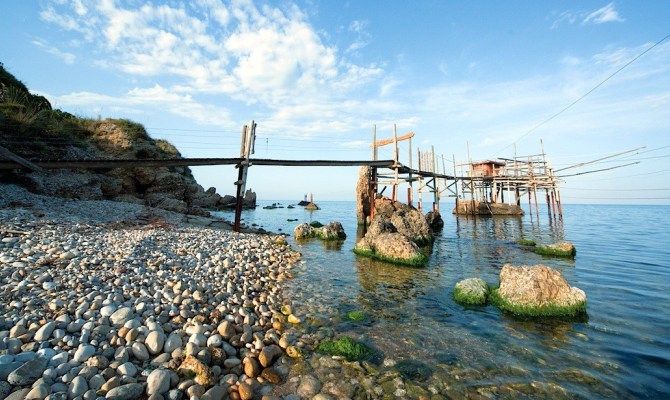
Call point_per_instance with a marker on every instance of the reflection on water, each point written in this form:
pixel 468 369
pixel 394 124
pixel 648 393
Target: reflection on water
pixel 621 350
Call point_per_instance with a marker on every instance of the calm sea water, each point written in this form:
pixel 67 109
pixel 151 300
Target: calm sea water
pixel 622 350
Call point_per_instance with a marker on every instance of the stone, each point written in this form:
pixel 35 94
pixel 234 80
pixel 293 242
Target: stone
pixel 472 291
pixel 309 386
pixel 434 220
pixel 364 195
pixel 121 316
pixel 158 381
pixel 216 392
pixel 560 249
pixel 83 353
pixel 127 369
pixel 77 387
pixel 251 367
pixel 331 231
pixel 140 351
pixel 226 329
pixel 172 343
pixel 538 291
pixel 391 247
pixel 202 374
pixel 268 354
pixel 154 342
pixel 271 375
pixel 245 391
pixel 128 391
pixel 303 231
pixel 27 373
pixel 44 333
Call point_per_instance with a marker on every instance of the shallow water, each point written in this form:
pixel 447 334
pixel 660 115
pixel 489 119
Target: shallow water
pixel 623 264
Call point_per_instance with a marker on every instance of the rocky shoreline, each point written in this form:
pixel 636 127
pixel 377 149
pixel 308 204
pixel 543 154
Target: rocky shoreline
pixel 100 301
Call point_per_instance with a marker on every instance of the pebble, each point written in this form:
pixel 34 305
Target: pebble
pixel 158 381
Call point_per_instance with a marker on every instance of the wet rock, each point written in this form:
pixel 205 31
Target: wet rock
pixel 472 291
pixel 537 291
pixel 308 387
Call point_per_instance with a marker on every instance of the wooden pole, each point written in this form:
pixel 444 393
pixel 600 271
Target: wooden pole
pixel 436 193
pixel 453 157
pixel 373 173
pixel 409 190
pixel 420 165
pixel 246 149
pixel 395 159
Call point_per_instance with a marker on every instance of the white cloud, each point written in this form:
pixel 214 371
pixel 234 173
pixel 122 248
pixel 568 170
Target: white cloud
pixel 156 96
pixel 265 56
pixel 67 58
pixel 602 15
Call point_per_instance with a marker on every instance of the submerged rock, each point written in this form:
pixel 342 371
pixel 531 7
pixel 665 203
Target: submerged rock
pixel 560 249
pixel 395 234
pixel 391 247
pixel 331 231
pixel 434 220
pixel 472 291
pixel 537 291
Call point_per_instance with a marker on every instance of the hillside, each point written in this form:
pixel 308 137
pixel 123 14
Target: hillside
pixel 33 129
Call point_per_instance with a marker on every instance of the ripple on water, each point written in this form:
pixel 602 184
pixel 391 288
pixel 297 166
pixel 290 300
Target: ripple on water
pixel 622 350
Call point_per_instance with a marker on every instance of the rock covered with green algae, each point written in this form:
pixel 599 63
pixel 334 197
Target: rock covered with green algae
pixel 560 249
pixel 330 231
pixel 471 291
pixel 391 247
pixel 345 347
pixel 537 291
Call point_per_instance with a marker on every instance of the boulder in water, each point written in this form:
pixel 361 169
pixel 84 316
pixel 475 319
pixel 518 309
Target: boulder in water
pixel 434 220
pixel 331 231
pixel 560 249
pixel 312 207
pixel 471 291
pixel 394 247
pixel 537 291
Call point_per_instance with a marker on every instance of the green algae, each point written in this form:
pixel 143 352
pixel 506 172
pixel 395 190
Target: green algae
pixel 545 311
pixel 356 316
pixel 345 347
pixel 545 250
pixel 419 260
pixel 526 242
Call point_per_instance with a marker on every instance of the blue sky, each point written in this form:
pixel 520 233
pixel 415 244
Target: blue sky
pixel 317 75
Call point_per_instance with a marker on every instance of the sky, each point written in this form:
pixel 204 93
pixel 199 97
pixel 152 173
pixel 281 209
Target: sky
pixel 317 76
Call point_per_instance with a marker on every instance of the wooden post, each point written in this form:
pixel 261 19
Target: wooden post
pixel 246 149
pixel 546 192
pixel 436 192
pixel 396 163
pixel 373 173
pixel 453 157
pixel 537 210
pixel 409 190
pixel 420 165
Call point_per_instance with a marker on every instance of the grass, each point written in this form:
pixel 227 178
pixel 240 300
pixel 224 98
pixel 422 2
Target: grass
pixel 468 299
pixel 550 251
pixel 419 260
pixel 547 311
pixel 356 316
pixel 526 242
pixel 345 347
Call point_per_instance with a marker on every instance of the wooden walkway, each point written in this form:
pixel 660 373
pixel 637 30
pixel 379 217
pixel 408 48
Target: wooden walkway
pixel 191 162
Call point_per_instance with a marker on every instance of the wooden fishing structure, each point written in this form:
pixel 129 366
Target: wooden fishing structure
pixel 489 182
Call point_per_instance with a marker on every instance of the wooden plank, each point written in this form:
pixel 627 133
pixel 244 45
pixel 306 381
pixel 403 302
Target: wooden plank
pixel 192 162
pixel 384 142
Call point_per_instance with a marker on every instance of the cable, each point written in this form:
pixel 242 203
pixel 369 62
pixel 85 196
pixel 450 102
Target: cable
pixel 585 94
pixel 599 159
pixel 598 170
pixel 615 190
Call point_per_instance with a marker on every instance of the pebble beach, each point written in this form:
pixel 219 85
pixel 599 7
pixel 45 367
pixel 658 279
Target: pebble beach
pixel 114 300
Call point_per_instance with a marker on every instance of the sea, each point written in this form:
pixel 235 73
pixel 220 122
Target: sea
pixel 620 349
